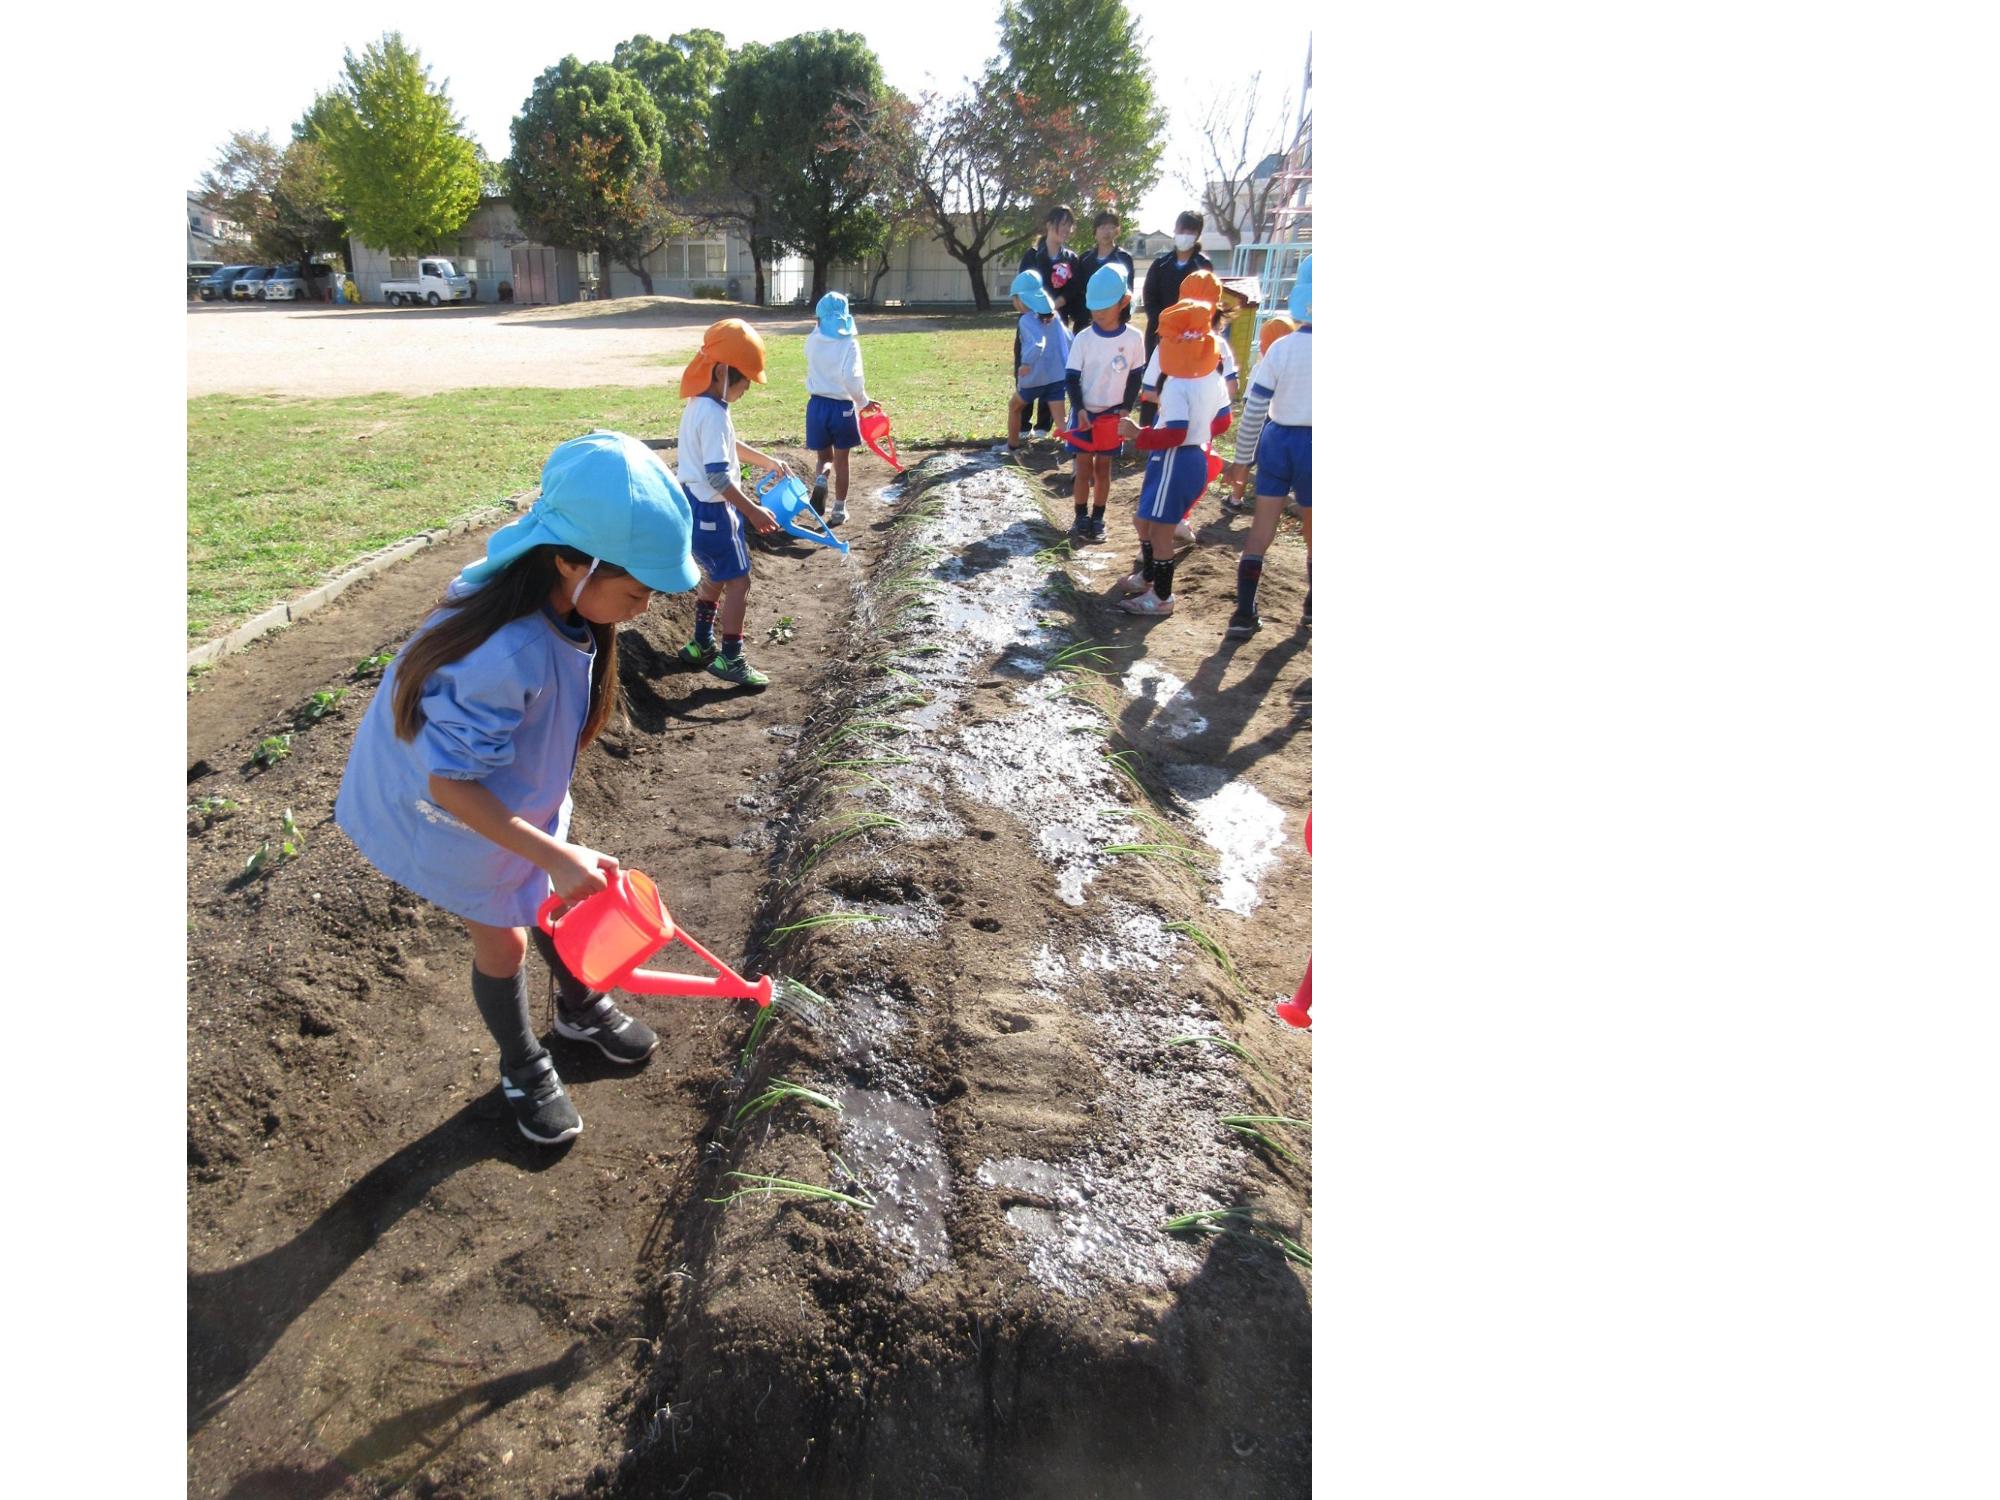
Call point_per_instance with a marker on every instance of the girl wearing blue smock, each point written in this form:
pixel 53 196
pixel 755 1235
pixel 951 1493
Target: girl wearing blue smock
pixel 457 787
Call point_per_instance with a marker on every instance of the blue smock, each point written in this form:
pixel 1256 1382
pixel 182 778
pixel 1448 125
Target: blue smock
pixel 508 715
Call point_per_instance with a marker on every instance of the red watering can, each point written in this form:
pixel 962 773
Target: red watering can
pixel 1101 436
pixel 874 425
pixel 1298 1009
pixel 603 938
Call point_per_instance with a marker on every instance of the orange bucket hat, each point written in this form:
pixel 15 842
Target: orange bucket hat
pixel 1202 286
pixel 1274 329
pixel 731 342
pixel 1187 346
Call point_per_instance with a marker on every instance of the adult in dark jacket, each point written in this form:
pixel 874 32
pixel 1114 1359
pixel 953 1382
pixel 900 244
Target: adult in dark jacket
pixel 1104 253
pixel 1057 264
pixel 1163 283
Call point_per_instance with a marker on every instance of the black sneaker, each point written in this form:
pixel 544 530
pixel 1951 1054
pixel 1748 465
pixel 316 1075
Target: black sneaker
pixel 540 1106
pixel 1096 524
pixel 608 1029
pixel 1243 624
pixel 1080 528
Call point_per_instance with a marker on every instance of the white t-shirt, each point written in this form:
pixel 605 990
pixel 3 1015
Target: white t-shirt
pixel 1287 373
pixel 1151 379
pixel 707 460
pixel 833 369
pixel 1104 360
pixel 1196 402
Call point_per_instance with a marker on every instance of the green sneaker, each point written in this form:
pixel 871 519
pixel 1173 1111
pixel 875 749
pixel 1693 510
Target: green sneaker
pixel 692 655
pixel 738 670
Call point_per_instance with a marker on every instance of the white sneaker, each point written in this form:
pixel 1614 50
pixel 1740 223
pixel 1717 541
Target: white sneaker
pixel 838 515
pixel 1148 603
pixel 1184 532
pixel 1136 583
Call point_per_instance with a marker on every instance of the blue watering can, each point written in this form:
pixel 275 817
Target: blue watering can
pixel 790 502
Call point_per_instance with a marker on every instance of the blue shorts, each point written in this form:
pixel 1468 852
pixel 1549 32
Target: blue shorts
pixel 1174 481
pixel 1055 390
pixel 1285 463
pixel 717 541
pixel 831 423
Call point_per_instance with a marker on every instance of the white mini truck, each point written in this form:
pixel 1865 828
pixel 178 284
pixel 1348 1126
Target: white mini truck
pixel 437 281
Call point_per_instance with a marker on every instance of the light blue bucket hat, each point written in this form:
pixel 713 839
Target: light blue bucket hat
pixel 835 321
pixel 608 495
pixel 1302 293
pixel 1108 287
pixel 1028 287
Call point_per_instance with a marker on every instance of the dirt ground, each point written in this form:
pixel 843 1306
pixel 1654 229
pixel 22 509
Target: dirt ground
pixel 301 349
pixel 389 1290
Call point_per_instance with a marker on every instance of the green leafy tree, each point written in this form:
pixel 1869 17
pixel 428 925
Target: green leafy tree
pixel 285 200
pixel 746 171
pixel 682 75
pixel 1086 57
pixel 586 165
pixel 408 176
pixel 819 197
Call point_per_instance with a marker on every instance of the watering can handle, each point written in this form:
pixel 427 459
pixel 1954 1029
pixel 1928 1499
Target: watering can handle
pixel 546 910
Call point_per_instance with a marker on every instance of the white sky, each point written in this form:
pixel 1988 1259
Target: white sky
pixel 262 76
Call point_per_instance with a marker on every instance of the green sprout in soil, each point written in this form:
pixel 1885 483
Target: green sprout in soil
pixel 1209 945
pixel 783 631
pixel 1235 1049
pixel 777 1092
pixel 1239 1219
pixel 762 1185
pixel 1125 765
pixel 826 919
pixel 856 727
pixel 859 824
pixel 1252 1133
pixel 765 1015
pixel 211 810
pixel 321 704
pixel 270 751
pixel 369 666
pixel 1169 853
pixel 1084 656
pixel 865 760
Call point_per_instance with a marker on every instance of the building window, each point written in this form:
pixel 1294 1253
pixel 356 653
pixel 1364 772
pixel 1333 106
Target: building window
pixel 693 260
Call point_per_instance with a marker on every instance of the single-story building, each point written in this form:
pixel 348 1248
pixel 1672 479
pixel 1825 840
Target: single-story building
pixel 492 249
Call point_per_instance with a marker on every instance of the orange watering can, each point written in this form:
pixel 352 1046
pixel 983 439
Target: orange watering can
pixel 1298 1009
pixel 874 425
pixel 604 937
pixel 1101 436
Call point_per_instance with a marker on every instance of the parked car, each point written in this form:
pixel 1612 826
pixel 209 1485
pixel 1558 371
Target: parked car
pixel 198 272
pixel 294 283
pixel 250 284
pixel 437 281
pixel 217 282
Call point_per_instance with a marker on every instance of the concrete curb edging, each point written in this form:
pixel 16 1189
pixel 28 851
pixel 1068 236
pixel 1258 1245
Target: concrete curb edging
pixel 278 616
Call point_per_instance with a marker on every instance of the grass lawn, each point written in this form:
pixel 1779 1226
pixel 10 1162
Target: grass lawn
pixel 283 491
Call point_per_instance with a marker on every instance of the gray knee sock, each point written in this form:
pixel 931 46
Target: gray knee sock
pixel 503 1006
pixel 571 992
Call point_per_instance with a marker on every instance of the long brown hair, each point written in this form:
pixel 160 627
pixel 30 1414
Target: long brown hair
pixel 521 588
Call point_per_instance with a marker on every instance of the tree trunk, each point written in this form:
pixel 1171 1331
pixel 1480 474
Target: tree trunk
pixel 975 267
pixel 881 270
pixel 605 261
pixel 819 277
pixel 638 269
pixel 757 264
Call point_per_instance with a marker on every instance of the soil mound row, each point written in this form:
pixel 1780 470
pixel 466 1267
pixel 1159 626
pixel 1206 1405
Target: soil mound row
pixel 1019 1053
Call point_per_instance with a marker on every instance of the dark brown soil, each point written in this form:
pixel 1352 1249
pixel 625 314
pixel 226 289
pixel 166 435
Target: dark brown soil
pixel 390 1289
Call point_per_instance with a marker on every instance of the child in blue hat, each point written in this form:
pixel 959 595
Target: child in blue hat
pixel 457 787
pixel 836 395
pixel 1044 356
pixel 1277 435
pixel 1106 359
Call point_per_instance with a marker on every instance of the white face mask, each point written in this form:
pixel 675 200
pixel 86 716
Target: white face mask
pixel 1184 243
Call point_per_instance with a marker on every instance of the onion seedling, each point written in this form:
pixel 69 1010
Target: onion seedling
pixel 827 919
pixel 1235 1049
pixel 777 1092
pixel 765 1186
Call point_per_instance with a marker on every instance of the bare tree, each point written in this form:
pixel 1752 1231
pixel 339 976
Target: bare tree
pixel 1238 132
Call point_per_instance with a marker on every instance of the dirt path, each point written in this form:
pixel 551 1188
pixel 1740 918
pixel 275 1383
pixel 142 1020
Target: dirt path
pixel 390 1290
pixel 252 349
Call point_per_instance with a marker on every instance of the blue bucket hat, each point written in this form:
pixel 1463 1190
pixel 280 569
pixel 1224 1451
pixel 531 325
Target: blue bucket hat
pixel 835 321
pixel 1302 293
pixel 1108 287
pixel 608 495
pixel 1028 287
